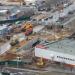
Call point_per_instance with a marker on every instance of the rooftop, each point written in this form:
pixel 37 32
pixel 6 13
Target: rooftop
pixel 65 46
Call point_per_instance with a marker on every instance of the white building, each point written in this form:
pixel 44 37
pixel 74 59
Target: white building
pixel 60 51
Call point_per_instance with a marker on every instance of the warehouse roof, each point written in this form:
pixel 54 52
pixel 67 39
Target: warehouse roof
pixel 65 46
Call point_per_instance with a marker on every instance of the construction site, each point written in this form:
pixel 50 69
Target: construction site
pixel 37 37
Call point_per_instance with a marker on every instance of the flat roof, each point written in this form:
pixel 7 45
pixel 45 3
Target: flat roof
pixel 63 46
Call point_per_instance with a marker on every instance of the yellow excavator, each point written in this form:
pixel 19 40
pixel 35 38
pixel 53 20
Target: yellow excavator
pixel 26 26
pixel 40 62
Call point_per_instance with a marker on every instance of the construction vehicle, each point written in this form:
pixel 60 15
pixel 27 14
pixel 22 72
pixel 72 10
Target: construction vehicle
pixel 14 41
pixel 40 62
pixel 18 39
pixel 27 28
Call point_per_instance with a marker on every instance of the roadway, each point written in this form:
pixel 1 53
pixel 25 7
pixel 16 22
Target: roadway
pixel 70 20
pixel 57 14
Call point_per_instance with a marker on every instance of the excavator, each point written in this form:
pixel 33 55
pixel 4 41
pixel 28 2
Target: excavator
pixel 40 62
pixel 27 28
